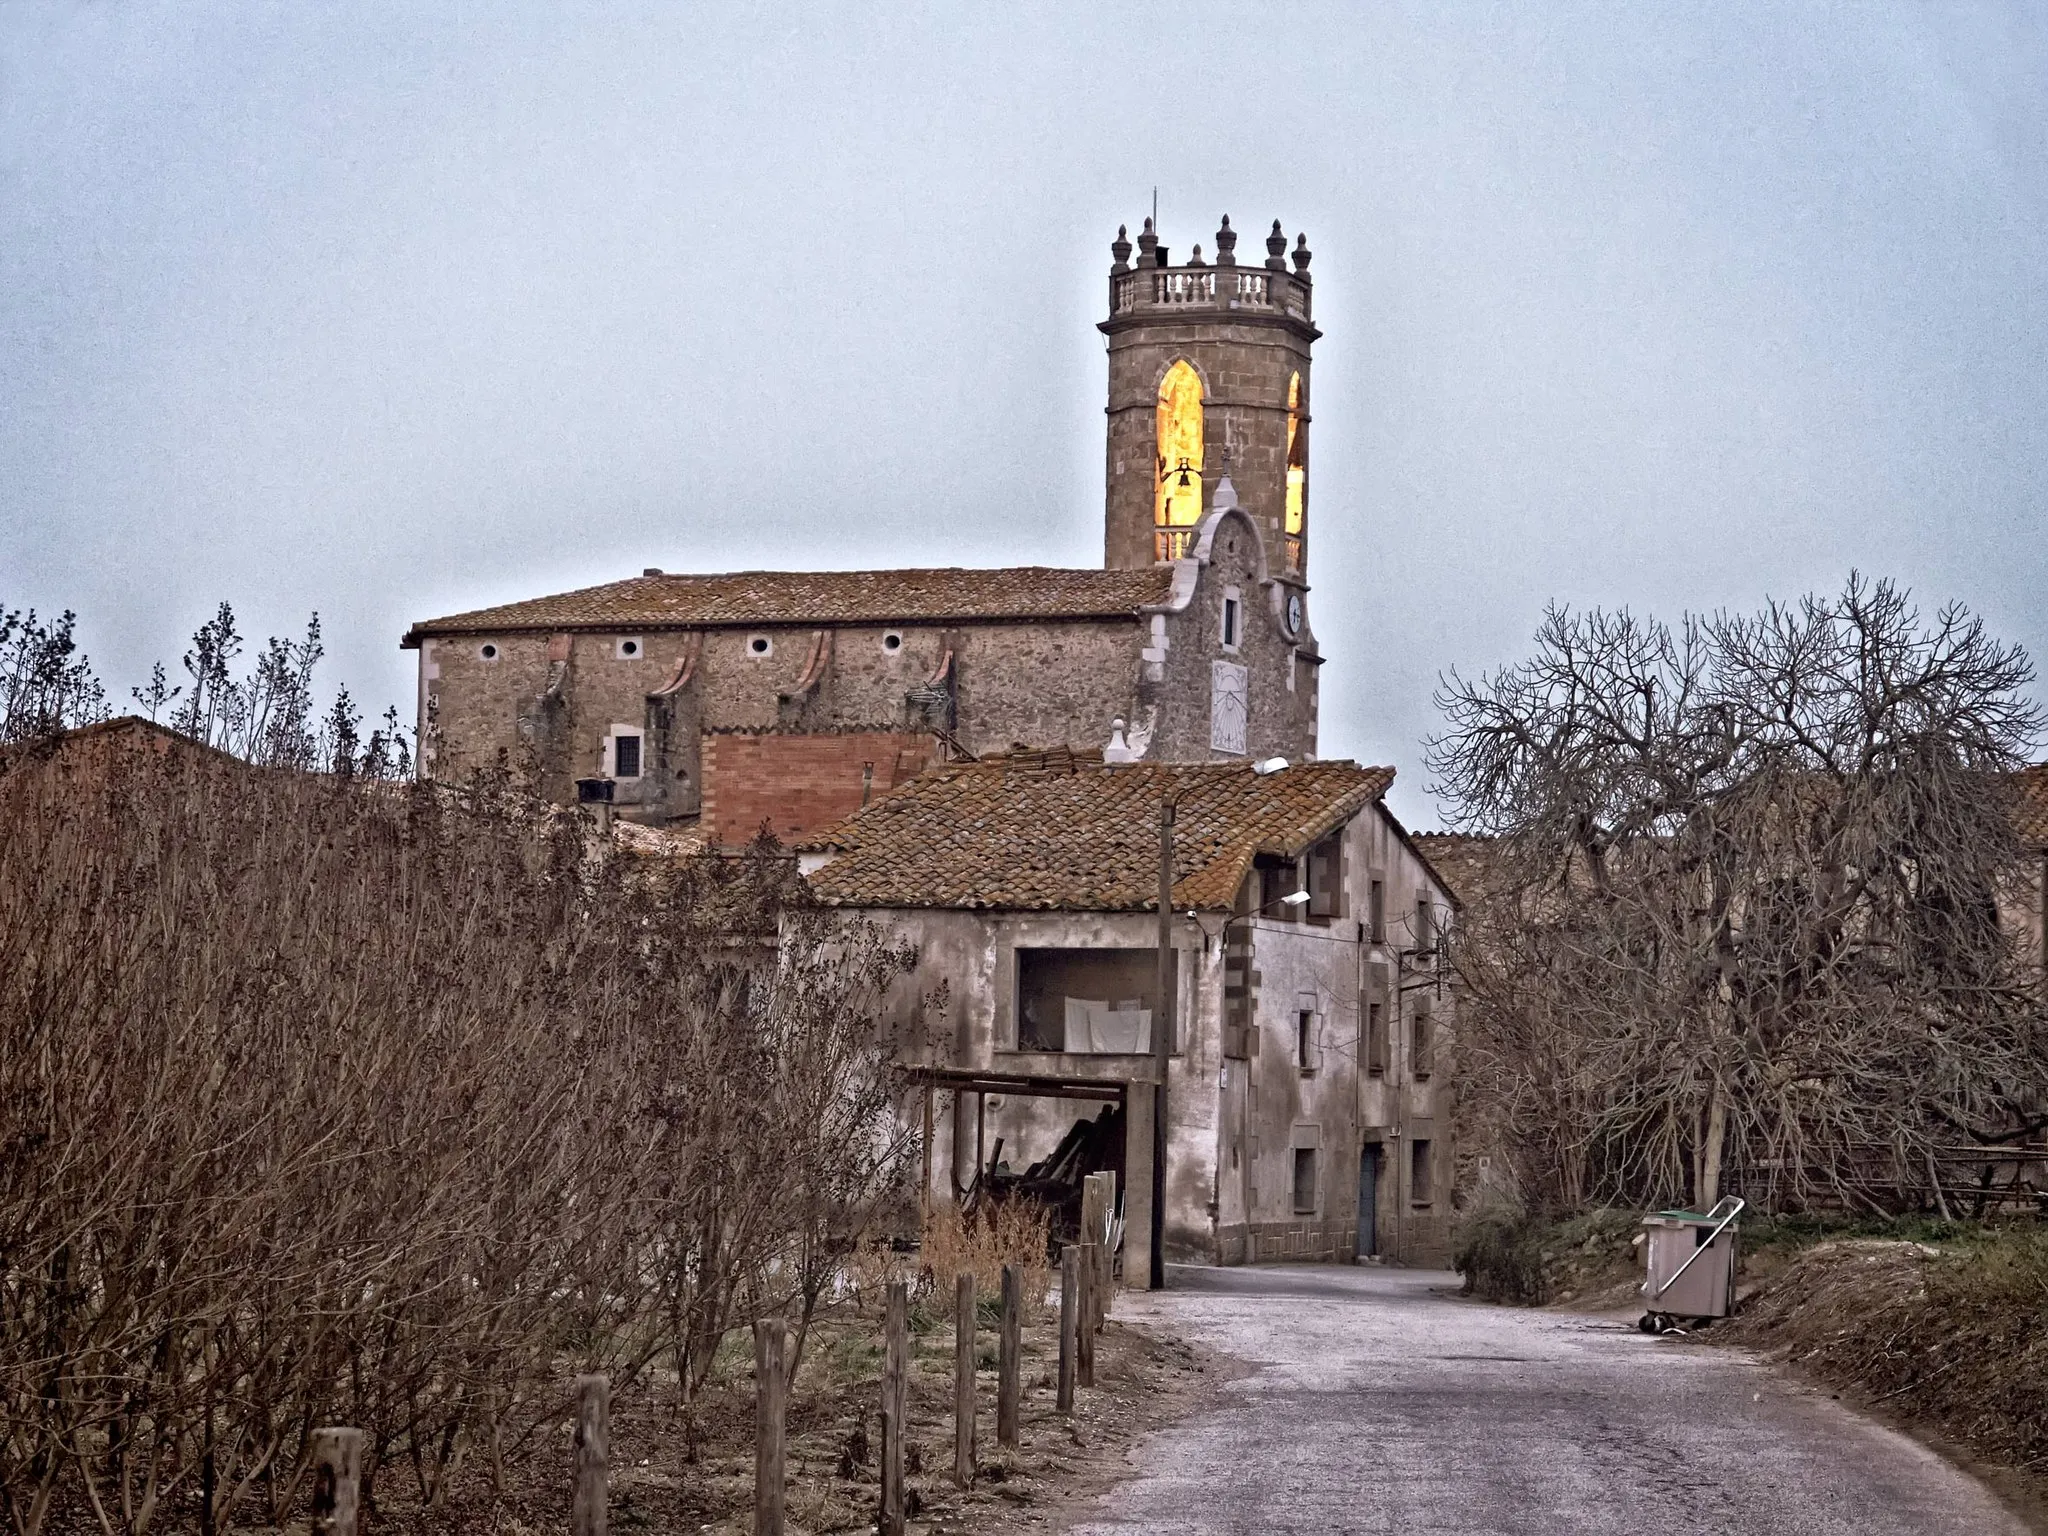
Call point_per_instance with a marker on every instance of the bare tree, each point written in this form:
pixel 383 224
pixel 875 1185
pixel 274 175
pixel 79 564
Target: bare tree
pixel 1745 918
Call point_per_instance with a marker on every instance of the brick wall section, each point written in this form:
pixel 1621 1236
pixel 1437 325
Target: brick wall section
pixel 798 784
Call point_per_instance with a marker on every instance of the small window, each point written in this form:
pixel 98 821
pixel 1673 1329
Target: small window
pixel 488 650
pixel 1376 911
pixel 1233 623
pixel 1326 880
pixel 626 756
pixel 1422 1044
pixel 1425 926
pixel 629 649
pixel 1421 1173
pixel 1304 1181
pixel 760 645
pixel 892 641
pixel 1376 1038
pixel 1306 1055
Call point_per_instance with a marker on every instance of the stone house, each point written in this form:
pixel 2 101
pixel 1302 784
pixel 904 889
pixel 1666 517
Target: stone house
pixel 1307 1099
pixel 2023 901
pixel 789 699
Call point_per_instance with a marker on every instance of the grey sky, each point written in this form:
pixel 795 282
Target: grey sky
pixel 394 311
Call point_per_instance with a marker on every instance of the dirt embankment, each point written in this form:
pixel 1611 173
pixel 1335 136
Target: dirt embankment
pixel 1952 1337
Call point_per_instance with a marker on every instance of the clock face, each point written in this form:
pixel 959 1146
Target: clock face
pixel 1294 613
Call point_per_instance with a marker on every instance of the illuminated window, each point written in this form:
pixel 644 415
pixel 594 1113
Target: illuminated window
pixel 1297 472
pixel 1179 500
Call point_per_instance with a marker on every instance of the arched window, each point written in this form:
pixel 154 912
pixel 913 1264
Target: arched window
pixel 1297 473
pixel 1178 505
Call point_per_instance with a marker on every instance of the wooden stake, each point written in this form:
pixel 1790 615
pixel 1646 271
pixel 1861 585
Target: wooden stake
pixel 1010 1359
pixel 588 1512
pixel 1070 1313
pixel 963 1379
pixel 337 1478
pixel 771 1394
pixel 1105 1293
pixel 895 1365
pixel 1093 1229
pixel 1084 1340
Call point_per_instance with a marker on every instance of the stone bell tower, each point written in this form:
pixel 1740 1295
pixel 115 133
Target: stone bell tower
pixel 1208 377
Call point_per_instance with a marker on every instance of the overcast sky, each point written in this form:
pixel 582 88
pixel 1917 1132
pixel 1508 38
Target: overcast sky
pixel 394 311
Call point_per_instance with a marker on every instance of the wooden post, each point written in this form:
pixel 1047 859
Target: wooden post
pixel 337 1478
pixel 1010 1359
pixel 1084 1341
pixel 1162 1046
pixel 1070 1312
pixel 963 1379
pixel 1092 1228
pixel 771 1394
pixel 588 1512
pixel 1105 1294
pixel 895 1365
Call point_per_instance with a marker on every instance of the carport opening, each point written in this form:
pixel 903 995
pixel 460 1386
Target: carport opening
pixel 1087 1001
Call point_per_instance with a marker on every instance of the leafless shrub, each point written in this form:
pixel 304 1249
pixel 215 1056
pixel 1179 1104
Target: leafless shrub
pixel 1017 1231
pixel 329 1101
pixel 1743 915
pixel 46 685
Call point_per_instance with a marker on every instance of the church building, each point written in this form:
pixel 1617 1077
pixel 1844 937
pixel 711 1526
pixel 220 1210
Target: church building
pixel 788 699
pixel 978 760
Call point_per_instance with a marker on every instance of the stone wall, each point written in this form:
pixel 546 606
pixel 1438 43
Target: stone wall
pixel 500 701
pixel 1282 683
pixel 1244 366
pixel 548 707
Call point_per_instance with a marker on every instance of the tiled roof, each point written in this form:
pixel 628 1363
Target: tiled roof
pixel 1046 831
pixel 824 597
pixel 1468 865
pixel 2030 809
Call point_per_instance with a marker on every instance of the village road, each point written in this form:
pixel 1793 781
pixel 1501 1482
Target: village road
pixel 1381 1403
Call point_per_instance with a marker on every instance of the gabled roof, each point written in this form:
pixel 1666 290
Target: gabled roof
pixel 99 741
pixel 2030 807
pixel 749 598
pixel 1053 831
pixel 1468 866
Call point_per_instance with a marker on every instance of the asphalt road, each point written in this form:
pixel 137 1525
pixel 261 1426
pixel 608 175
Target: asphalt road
pixel 1382 1403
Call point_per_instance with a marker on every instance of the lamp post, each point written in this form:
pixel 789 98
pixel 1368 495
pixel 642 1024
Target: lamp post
pixel 1162 1046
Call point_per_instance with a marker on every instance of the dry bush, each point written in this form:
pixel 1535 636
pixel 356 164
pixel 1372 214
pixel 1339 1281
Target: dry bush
pixel 332 1102
pixel 1003 1232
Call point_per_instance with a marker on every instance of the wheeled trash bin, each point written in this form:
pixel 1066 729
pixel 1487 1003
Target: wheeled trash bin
pixel 1690 1260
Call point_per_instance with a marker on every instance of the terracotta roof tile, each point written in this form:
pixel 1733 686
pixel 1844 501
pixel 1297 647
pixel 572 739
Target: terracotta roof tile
pixel 2030 807
pixel 1470 866
pixel 824 597
pixel 1038 831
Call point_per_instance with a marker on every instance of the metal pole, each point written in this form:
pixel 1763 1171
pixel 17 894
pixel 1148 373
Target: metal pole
pixel 1162 1046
